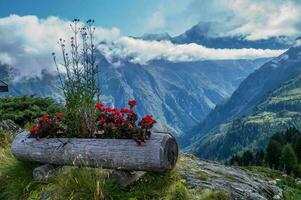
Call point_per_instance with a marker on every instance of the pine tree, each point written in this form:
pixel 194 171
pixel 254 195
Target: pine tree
pixel 288 159
pixel 259 158
pixel 273 153
pixel 247 158
pixel 235 160
pixel 298 148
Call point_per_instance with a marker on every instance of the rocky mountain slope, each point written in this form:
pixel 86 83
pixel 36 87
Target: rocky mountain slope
pixel 238 183
pixel 266 102
pixel 166 90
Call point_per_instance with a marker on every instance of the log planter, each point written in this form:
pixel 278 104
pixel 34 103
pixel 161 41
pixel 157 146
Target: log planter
pixel 159 153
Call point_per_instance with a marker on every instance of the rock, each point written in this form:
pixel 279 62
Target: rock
pixel 273 182
pixel 9 125
pixel 43 173
pixel 126 178
pixel 239 183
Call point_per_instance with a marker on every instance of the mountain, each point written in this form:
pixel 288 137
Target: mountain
pixel 267 101
pixel 208 35
pixel 179 95
pixel 46 85
pixel 157 37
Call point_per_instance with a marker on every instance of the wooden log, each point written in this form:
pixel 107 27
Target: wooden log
pixel 43 173
pixel 159 153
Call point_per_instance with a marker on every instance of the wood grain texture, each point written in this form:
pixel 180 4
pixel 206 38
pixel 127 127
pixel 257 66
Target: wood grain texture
pixel 159 153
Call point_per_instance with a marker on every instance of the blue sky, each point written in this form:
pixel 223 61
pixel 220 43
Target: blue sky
pixel 132 17
pixel 257 18
pixel 29 29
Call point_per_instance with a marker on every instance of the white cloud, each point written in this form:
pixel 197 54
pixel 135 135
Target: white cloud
pixel 256 19
pixel 264 19
pixel 26 43
pixel 140 51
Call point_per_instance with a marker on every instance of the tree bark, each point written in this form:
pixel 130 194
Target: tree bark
pixel 159 153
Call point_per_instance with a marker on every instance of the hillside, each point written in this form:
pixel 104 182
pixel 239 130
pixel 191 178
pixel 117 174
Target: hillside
pixel 279 110
pixel 249 93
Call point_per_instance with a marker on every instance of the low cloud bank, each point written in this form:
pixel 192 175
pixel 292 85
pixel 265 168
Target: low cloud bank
pixel 140 51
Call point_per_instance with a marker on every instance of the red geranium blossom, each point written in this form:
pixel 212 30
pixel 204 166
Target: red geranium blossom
pixel 34 130
pixel 132 103
pixel 99 106
pixel 126 111
pixel 60 115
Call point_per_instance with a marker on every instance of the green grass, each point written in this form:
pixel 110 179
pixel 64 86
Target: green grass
pixel 291 191
pixel 16 182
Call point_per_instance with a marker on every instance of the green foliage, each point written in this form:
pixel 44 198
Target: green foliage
pixel 15 177
pixel 247 158
pixel 26 109
pixel 211 195
pixel 5 138
pixel 177 192
pixel 297 148
pixel 288 159
pixel 273 153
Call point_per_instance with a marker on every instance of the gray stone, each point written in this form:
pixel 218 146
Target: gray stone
pixel 127 178
pixel 241 184
pixel 44 173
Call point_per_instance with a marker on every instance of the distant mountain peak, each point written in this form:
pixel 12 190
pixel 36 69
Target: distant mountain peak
pixel 155 36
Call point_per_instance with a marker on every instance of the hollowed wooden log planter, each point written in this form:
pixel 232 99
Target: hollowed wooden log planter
pixel 159 153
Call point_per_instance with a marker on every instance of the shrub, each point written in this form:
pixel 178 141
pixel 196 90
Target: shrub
pixel 288 159
pixel 25 109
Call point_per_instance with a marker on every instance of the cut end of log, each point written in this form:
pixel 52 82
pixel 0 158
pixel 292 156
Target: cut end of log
pixel 170 152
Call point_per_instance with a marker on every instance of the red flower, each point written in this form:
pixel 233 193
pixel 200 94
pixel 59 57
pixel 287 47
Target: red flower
pixel 99 106
pixel 116 111
pixel 102 119
pixel 149 119
pixel 132 103
pixel 108 109
pixel 126 111
pixel 34 130
pixel 120 117
pixel 60 115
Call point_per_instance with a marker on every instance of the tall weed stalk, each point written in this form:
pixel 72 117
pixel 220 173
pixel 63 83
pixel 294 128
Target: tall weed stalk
pixel 79 82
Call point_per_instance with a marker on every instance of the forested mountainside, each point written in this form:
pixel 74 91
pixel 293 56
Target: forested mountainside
pixel 259 109
pixel 249 93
